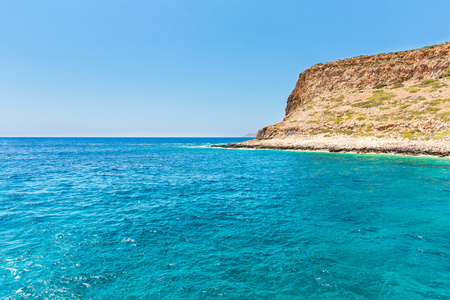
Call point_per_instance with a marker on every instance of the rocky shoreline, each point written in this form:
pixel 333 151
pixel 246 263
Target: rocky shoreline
pixel 393 103
pixel 375 145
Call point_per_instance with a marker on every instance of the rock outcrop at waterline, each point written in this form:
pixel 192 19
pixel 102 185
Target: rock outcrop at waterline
pixel 394 98
pixel 349 144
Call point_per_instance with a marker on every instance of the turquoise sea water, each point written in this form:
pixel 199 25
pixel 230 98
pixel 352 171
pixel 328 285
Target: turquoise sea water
pixel 166 219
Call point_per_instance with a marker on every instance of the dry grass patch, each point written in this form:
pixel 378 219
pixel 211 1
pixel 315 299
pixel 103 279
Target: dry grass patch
pixel 412 89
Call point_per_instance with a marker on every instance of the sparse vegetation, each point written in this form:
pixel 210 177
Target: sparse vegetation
pixel 344 131
pixel 381 95
pixel 397 85
pixel 339 120
pixel 339 99
pixel 412 89
pixel 433 109
pixel 427 82
pixel 408 136
pixel 325 131
pixel 442 135
pixel 446 74
pixel 367 104
pixel 390 107
pixel 445 116
pixel 380 86
pixel 433 83
pixel 412 134
pixel 375 100
pixel 435 102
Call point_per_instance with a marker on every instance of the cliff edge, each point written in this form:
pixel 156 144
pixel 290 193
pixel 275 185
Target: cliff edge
pixel 395 102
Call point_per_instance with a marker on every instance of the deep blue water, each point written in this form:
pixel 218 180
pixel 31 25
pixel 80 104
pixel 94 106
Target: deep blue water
pixel 166 219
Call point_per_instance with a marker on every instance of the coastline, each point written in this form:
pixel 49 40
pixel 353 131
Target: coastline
pixel 372 145
pixel 391 103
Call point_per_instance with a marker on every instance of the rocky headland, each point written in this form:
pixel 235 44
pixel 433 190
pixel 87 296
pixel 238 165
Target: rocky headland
pixel 386 103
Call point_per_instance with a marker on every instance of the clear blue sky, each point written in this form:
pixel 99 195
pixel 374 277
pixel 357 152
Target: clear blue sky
pixel 183 68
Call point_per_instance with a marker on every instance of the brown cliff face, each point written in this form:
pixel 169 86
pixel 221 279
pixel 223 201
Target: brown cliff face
pixel 387 94
pixel 368 71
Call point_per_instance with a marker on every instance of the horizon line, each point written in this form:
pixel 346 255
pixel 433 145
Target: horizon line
pixel 115 137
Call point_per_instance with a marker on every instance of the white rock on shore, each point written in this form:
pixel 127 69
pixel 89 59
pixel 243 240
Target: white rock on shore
pixel 349 144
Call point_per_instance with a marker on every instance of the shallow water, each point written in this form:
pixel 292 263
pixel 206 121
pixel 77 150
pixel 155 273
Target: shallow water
pixel 164 218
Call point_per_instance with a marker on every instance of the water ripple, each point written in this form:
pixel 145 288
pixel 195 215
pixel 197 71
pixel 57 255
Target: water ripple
pixel 167 218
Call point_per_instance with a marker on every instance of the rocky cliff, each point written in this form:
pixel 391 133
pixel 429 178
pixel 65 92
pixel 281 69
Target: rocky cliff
pixel 401 95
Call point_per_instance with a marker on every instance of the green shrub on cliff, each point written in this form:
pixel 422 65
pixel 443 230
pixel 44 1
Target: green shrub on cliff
pixel 412 89
pixel 367 104
pixel 412 134
pixel 432 109
pixel 339 99
pixel 380 86
pixel 445 116
pixel 428 82
pixel 433 83
pixel 375 100
pixel 344 131
pixel 381 95
pixel 446 74
pixel 436 102
pixel 325 131
pixel 408 136
pixel 398 85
